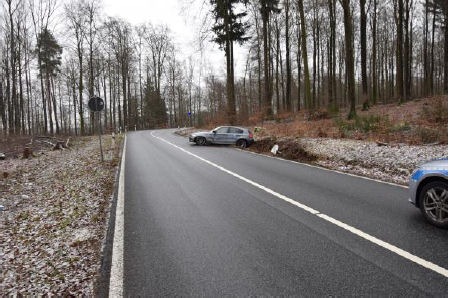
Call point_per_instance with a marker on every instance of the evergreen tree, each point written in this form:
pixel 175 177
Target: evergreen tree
pixel 229 28
pixel 49 54
pixel 155 110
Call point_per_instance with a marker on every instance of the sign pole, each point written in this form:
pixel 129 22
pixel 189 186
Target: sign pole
pixel 99 135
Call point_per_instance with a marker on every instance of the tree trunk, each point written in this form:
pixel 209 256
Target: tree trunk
pixel 80 88
pixel 432 57
pixel 298 63
pixel 307 93
pixel 74 106
pixel 231 110
pixel 288 96
pixel 314 59
pixel 2 109
pixel 55 110
pixel 30 120
pixel 332 92
pixel 374 54
pixel 363 54
pixel 278 53
pixel 14 116
pixel 49 102
pixel 124 93
pixel 21 123
pixel 407 53
pixel 426 84
pixel 268 111
pixel 349 50
pixel 445 50
pixel 399 16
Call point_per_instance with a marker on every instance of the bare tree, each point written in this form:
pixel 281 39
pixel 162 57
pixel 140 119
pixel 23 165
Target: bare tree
pixel 399 20
pixel 363 54
pixel 307 92
pixel 349 50
pixel 75 16
pixel 288 96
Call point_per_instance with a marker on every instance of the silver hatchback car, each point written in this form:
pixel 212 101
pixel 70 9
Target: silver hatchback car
pixel 241 137
pixel 428 191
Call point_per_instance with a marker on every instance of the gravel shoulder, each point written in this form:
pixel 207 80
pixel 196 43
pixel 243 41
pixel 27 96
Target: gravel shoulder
pixel 389 163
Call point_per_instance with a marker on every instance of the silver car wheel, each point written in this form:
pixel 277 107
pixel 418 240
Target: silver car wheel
pixel 201 141
pixel 242 144
pixel 434 203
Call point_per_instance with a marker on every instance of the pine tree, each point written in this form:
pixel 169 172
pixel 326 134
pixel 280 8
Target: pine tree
pixel 49 53
pixel 229 28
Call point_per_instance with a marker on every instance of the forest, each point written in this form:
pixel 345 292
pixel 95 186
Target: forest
pixel 300 55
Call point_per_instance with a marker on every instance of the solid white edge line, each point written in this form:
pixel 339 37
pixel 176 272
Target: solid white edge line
pixel 386 245
pixel 116 278
pixel 355 231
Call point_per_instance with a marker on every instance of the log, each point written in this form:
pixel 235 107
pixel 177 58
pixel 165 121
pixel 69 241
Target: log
pixel 381 143
pixel 59 145
pixel 46 142
pixel 55 144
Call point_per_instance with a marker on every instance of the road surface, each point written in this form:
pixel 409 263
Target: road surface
pixel 215 221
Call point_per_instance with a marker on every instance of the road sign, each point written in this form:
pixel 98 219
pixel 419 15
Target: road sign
pixel 96 104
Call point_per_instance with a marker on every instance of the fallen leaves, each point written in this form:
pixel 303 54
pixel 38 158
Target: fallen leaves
pixel 55 220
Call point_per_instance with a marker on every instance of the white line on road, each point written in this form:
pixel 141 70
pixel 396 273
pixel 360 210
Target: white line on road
pixel 334 221
pixel 116 279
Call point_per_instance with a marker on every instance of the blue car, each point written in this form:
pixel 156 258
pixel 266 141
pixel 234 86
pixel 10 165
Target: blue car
pixel 428 191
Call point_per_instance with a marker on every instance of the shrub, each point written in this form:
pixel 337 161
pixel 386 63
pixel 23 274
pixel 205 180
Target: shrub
pixel 436 111
pixel 365 124
pixel 317 115
pixel 401 127
pixel 428 135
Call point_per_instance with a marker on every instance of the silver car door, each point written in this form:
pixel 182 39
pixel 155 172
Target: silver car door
pixel 233 135
pixel 221 135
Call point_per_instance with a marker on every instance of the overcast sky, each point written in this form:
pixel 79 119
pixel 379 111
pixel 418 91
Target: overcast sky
pixel 168 12
pixel 182 19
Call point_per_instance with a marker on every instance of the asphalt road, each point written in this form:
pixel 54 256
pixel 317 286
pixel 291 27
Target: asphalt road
pixel 215 220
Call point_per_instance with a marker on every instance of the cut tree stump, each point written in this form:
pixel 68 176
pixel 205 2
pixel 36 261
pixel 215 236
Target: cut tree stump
pixel 27 152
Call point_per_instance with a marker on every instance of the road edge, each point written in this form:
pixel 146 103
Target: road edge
pixel 101 284
pixel 116 272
